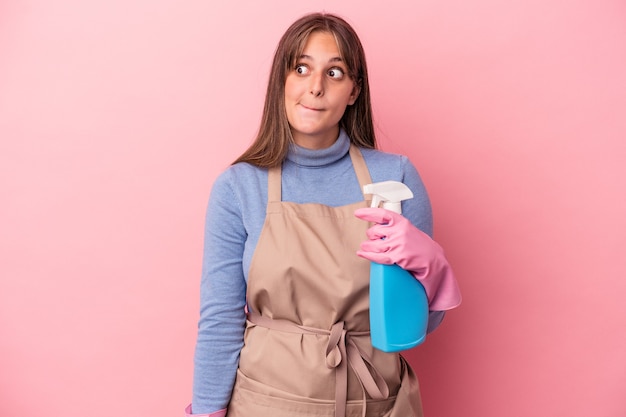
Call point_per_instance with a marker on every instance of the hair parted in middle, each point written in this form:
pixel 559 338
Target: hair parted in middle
pixel 271 145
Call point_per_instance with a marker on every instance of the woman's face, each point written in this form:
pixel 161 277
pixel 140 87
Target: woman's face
pixel 317 92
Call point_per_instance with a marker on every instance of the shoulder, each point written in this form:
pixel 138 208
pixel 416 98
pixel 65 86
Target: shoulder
pixel 378 155
pixel 238 178
pixel 386 166
pixel 238 189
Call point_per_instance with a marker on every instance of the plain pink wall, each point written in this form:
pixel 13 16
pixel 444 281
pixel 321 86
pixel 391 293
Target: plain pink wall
pixel 116 116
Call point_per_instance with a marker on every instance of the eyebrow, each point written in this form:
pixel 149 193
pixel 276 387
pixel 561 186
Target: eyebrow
pixel 335 59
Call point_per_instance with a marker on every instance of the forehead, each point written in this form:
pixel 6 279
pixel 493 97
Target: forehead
pixel 325 39
pixel 320 42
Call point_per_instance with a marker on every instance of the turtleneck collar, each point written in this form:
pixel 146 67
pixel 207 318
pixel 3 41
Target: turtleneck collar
pixel 320 157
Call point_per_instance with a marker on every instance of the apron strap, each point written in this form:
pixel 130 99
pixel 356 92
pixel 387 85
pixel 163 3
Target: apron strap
pixel 274 186
pixel 360 167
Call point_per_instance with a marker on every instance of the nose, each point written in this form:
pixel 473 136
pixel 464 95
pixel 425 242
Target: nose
pixel 317 85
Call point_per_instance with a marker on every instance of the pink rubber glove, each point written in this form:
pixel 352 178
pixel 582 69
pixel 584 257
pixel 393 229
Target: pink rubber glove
pixel 220 413
pixel 393 239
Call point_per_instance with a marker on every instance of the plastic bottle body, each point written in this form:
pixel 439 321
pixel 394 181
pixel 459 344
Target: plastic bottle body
pixel 398 301
pixel 398 309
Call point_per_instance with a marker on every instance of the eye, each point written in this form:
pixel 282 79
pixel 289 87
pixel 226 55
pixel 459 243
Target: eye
pixel 336 73
pixel 302 69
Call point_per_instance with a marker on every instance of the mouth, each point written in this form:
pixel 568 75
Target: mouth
pixel 310 108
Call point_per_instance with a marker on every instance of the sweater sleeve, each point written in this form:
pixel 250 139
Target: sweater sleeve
pixel 222 300
pixel 417 209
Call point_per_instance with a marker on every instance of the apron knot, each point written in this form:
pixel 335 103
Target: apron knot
pixel 336 343
pixel 341 351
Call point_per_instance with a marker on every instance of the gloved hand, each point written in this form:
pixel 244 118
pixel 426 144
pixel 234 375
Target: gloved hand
pixel 220 413
pixel 393 239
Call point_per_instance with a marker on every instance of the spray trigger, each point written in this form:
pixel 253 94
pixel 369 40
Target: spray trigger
pixel 388 193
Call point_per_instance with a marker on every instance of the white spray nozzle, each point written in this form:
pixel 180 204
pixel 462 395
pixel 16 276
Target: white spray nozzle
pixel 390 193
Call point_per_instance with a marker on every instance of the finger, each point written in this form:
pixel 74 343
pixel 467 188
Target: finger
pixel 376 246
pixel 374 214
pixel 379 258
pixel 376 233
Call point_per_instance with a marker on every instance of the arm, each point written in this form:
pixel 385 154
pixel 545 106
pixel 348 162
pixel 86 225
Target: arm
pixel 189 413
pixel 406 240
pixel 222 299
pixel 422 218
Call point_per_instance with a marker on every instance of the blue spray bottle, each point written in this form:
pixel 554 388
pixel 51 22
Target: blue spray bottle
pixel 398 301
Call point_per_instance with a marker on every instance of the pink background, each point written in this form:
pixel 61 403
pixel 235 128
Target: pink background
pixel 116 116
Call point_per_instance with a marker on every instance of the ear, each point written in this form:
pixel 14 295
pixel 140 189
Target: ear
pixel 355 94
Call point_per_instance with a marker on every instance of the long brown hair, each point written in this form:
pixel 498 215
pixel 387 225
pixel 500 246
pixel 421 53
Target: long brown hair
pixel 274 137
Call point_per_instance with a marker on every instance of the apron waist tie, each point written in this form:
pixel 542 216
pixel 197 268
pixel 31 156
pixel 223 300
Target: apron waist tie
pixel 340 351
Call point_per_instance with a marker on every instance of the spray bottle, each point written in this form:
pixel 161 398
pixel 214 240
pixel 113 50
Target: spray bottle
pixel 398 301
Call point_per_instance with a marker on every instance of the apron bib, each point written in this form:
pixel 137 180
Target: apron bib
pixel 307 349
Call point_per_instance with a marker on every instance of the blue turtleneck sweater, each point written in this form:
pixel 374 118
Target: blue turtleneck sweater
pixel 234 219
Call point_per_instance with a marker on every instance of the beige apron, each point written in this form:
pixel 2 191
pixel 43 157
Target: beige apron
pixel 307 349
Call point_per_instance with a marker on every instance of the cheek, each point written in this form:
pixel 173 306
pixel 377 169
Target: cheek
pixel 292 89
pixel 347 96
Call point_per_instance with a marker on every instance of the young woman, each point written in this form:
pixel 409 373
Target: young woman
pixel 284 320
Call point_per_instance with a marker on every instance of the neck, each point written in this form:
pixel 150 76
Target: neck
pixel 315 142
pixel 320 157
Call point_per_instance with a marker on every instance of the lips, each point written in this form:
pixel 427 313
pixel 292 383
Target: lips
pixel 310 108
